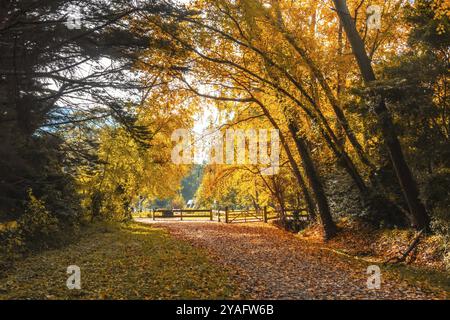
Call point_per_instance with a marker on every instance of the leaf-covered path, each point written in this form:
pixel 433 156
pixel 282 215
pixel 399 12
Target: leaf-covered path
pixel 269 263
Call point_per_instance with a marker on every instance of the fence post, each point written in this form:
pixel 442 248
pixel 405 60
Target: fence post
pixel 218 215
pixel 211 215
pixel 226 214
pixel 181 215
pixel 265 214
pixel 153 214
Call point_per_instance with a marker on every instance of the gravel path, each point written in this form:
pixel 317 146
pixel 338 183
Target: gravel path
pixel 269 263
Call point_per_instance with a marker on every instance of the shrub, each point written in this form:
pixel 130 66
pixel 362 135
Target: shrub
pixel 436 192
pixel 11 242
pixel 37 225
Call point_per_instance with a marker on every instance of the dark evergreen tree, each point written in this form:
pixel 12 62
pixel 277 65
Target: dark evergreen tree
pixel 65 65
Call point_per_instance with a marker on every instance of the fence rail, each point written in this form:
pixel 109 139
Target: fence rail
pixel 181 213
pixel 226 215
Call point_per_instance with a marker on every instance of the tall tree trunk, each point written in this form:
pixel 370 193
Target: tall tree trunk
pixel 419 216
pixel 328 224
pixel 340 79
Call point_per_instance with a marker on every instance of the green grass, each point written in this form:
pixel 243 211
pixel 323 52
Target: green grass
pixel 427 277
pixel 132 261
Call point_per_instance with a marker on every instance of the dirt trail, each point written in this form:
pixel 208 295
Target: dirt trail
pixel 269 263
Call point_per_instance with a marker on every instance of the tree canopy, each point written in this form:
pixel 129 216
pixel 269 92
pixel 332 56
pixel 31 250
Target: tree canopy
pixel 88 113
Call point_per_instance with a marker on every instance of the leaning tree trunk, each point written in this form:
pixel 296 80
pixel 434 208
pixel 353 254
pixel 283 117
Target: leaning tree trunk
pixel 419 216
pixel 316 184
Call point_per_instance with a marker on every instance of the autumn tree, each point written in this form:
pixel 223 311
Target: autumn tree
pixel 419 216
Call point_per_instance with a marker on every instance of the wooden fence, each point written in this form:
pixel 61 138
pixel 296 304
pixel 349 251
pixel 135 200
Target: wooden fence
pixel 182 214
pixel 226 215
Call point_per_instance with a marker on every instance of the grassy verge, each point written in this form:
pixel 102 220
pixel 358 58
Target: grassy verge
pixel 435 280
pixel 131 261
pixel 372 247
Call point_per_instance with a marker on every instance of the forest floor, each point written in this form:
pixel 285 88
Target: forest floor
pixel 270 263
pixel 129 261
pixel 202 260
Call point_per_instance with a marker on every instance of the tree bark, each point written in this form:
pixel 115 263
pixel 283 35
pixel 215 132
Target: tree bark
pixel 328 224
pixel 419 216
